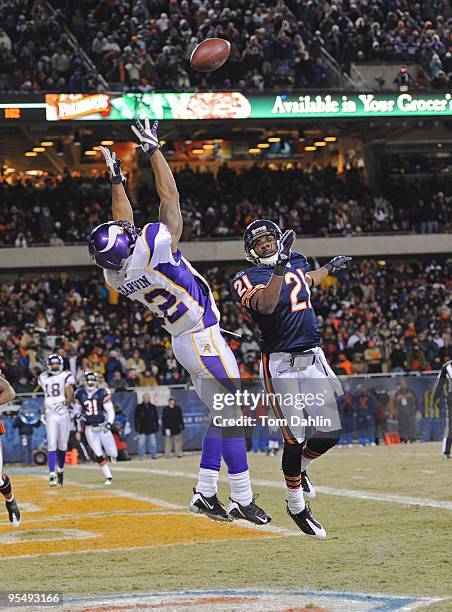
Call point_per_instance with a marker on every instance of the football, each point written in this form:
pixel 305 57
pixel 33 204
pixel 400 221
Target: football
pixel 210 54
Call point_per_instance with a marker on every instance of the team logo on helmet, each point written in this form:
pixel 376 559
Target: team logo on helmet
pixel 112 243
pixel 255 230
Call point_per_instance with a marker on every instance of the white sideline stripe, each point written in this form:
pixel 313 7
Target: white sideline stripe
pixel 402 500
pixel 95 515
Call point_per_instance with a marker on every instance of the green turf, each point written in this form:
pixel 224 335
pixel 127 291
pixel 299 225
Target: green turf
pixel 372 546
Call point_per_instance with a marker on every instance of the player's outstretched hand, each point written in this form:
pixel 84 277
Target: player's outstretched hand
pixel 285 247
pixel 113 166
pixel 147 135
pixel 340 262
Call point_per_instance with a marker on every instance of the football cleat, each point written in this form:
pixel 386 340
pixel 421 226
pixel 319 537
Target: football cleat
pixel 108 481
pixel 52 479
pixel 307 486
pixel 307 523
pixel 210 506
pixel 14 512
pixel 60 477
pixel 251 513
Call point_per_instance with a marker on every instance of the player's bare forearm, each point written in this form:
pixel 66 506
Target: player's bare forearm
pixel 7 393
pixel 266 300
pixel 120 204
pixel 169 213
pixel 317 276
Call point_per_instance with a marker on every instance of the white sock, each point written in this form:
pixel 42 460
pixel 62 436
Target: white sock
pixel 304 464
pixel 295 500
pixel 241 491
pixel 207 482
pixel 106 470
pixel 52 474
pixel 60 470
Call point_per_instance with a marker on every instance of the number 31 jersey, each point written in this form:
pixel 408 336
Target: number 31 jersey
pixel 294 323
pixel 166 284
pixel 91 404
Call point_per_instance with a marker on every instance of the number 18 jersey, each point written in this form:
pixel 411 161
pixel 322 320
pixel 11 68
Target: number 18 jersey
pixel 294 323
pixel 54 385
pixel 166 284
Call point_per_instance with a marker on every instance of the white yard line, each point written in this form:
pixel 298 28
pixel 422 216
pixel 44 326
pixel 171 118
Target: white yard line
pixel 402 500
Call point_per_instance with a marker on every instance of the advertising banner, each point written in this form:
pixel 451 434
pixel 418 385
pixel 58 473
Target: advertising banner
pixel 236 105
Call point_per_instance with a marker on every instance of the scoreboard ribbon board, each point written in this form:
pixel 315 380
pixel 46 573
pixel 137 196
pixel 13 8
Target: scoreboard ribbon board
pixel 236 105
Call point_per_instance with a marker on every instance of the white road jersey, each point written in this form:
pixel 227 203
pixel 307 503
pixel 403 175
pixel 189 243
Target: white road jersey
pixel 54 386
pixel 166 284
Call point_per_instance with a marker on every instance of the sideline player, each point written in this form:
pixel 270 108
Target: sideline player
pixel 148 268
pixel 93 407
pixel 297 377
pixel 57 384
pixel 7 394
pixel 443 384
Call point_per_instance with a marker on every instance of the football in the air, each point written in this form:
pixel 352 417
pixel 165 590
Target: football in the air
pixel 210 54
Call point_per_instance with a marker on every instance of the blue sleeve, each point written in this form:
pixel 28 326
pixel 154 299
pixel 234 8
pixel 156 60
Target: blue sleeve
pixel 245 284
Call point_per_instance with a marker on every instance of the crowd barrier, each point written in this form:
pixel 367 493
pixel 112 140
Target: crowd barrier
pixel 373 408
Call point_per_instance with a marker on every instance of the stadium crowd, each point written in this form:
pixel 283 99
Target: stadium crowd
pixel 145 45
pixel 37 53
pixel 312 201
pixel 374 318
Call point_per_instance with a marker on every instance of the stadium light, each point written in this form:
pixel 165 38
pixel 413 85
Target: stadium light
pixel 254 150
pixel 90 153
pixel 47 143
pixel 320 143
pixel 263 145
pixel 274 139
pixel 197 151
pixel 330 138
pixel 39 149
pixel 96 148
pixel 107 143
pixel 31 154
pixel 208 147
pixel 162 142
pixel 310 148
pixel 217 140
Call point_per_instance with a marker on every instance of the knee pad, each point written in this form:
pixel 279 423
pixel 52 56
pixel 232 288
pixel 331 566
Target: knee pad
pixel 100 459
pixel 291 459
pixel 320 442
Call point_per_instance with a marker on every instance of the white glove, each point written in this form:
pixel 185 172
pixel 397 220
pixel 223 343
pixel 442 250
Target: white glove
pixel 147 135
pixel 167 432
pixel 113 166
pixel 43 419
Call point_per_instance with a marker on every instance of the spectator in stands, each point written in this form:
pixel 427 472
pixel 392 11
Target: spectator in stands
pixel 147 426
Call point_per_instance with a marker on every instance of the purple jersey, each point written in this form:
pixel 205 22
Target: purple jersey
pixel 166 284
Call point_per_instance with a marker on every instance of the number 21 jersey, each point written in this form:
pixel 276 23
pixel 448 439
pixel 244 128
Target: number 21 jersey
pixel 294 323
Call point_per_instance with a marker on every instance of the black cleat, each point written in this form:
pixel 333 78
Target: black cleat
pixel 60 477
pixel 251 513
pixel 210 506
pixel 14 512
pixel 307 523
pixel 307 486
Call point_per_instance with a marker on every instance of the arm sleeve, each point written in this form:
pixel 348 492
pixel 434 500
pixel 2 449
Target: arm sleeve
pixel 244 285
pixel 110 411
pixel 158 239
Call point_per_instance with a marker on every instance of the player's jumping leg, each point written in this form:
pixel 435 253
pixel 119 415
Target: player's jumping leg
pixel 205 500
pixel 7 491
pixel 298 510
pixel 109 445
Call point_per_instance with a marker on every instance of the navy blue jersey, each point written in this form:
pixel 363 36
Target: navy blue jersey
pixel 293 324
pixel 92 404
